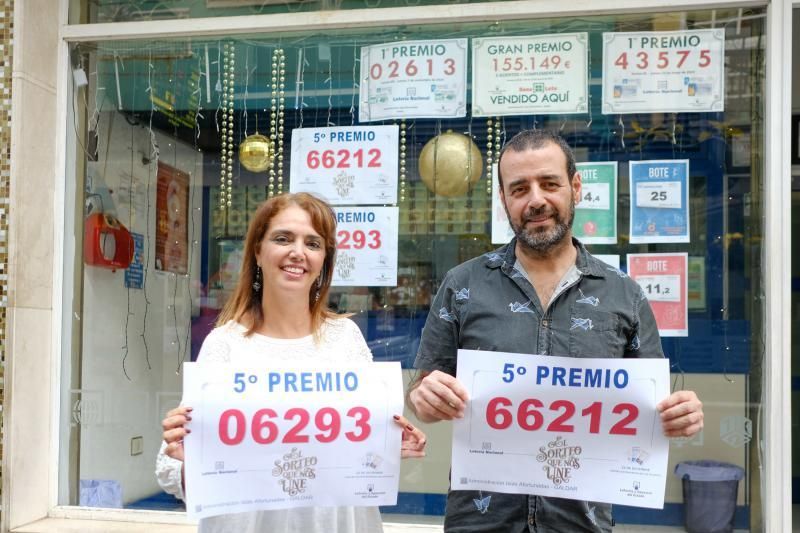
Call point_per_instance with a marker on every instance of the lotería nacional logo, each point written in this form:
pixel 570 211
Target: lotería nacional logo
pixel 294 472
pixel 560 460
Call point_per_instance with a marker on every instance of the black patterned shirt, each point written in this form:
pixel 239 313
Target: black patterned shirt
pixel 489 304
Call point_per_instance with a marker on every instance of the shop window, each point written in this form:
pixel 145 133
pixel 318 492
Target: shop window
pixel 154 178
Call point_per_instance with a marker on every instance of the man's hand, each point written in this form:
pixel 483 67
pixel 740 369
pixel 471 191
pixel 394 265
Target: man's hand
pixel 437 396
pixel 681 414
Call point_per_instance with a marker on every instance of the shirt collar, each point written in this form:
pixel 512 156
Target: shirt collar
pixel 505 258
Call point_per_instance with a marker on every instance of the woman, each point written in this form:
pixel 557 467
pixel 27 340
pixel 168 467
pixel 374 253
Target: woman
pixel 278 309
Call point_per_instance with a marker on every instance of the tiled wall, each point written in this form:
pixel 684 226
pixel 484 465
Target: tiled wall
pixel 6 31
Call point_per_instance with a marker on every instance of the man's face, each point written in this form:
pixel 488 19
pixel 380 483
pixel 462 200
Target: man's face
pixel 538 196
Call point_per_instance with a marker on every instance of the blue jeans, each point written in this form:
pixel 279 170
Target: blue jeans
pixel 470 511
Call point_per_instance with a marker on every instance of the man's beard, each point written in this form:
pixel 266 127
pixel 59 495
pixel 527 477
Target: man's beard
pixel 543 240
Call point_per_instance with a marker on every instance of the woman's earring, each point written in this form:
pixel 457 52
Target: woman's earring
pixel 257 282
pixel 319 285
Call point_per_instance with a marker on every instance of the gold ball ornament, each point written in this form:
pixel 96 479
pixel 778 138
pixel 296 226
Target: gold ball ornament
pixel 450 164
pixel 255 153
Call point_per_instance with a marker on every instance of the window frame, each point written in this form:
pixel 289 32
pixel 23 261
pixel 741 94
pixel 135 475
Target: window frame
pixel 776 443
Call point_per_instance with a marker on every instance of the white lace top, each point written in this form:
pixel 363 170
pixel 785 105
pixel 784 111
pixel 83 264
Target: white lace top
pixel 341 341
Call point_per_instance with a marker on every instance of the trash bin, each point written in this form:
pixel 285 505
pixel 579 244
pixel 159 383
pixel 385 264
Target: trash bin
pixel 709 495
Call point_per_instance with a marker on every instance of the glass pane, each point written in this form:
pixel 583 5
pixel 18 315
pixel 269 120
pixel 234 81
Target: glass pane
pixel 149 126
pixel 795 161
pixel 85 11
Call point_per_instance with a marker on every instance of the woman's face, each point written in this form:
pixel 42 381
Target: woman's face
pixel 291 253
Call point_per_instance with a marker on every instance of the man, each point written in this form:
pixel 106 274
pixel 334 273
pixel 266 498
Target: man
pixel 542 293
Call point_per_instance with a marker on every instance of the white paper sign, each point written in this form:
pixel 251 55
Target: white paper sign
pixel 576 428
pixel 663 288
pixel 595 196
pixel 609 259
pixel 541 74
pixel 346 165
pixel 666 71
pixel 659 210
pixel 366 246
pixel 502 232
pixel 659 194
pixel 278 437
pixel 413 79
pixel 664 280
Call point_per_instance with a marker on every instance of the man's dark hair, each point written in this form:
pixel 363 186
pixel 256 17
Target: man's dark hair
pixel 533 140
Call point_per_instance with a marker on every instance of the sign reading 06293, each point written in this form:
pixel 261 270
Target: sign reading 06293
pixel 281 436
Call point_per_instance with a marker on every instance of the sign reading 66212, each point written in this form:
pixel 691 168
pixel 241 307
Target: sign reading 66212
pixel 583 428
pixel 346 165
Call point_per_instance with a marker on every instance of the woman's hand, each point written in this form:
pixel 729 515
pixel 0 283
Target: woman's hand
pixel 414 441
pixel 175 430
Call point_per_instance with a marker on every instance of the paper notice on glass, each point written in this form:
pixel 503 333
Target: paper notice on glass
pixel 584 429
pixel 502 233
pixel 134 274
pixel 664 280
pixel 541 74
pixel 611 260
pixel 659 201
pixel 413 79
pixel 366 242
pixel 596 213
pixel 346 165
pixel 282 436
pixel 664 71
pixel 696 283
